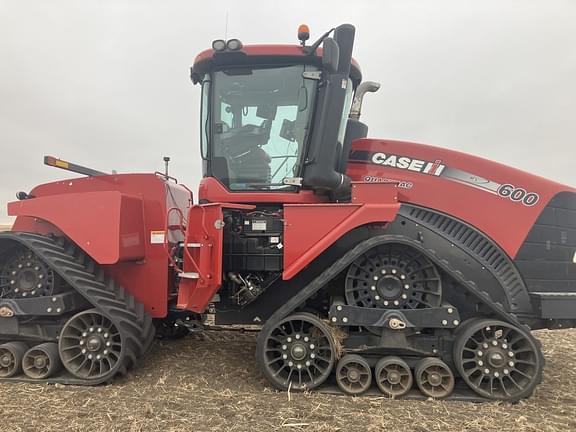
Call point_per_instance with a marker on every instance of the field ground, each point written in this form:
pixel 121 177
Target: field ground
pixel 210 382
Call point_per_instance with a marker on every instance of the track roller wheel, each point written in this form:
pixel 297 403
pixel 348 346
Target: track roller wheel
pixel 11 355
pixel 393 376
pixel 353 374
pixel 91 346
pixel 41 361
pixel 498 360
pixel 434 378
pixel 297 352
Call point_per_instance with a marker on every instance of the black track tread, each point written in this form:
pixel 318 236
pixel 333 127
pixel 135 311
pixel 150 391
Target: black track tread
pixel 330 273
pixel 84 275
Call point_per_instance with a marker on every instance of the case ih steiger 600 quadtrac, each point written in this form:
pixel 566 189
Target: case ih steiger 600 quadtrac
pixel 363 260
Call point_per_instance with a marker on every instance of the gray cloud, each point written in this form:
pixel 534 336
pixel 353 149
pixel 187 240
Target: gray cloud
pixel 105 83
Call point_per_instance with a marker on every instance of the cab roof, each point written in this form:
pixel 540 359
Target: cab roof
pixel 255 55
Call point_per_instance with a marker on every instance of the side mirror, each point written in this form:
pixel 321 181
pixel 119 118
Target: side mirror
pixel 330 55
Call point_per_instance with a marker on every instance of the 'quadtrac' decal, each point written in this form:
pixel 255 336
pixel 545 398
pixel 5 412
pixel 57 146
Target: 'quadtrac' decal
pixel 438 169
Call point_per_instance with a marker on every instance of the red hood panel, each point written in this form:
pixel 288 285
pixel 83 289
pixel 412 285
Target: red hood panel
pixel 501 201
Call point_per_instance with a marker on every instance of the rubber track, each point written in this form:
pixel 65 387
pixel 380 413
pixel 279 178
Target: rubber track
pixel 84 275
pixel 347 259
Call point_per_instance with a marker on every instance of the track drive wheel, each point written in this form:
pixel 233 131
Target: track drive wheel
pixel 498 360
pixel 11 355
pixel 91 347
pixel 297 352
pixel 434 378
pixel 41 361
pixel 353 374
pixel 393 376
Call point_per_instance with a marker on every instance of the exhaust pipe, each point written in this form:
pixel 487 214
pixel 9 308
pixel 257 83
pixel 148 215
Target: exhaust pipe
pixel 365 87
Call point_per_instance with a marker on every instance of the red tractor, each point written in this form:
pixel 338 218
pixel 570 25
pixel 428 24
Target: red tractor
pixel 361 261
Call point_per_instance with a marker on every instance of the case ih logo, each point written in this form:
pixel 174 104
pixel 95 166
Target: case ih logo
pixel 402 162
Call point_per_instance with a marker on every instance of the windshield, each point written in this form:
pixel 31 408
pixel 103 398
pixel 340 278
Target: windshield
pixel 260 120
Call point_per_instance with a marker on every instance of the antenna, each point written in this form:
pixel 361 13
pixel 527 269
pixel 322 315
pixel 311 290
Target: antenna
pixel 226 28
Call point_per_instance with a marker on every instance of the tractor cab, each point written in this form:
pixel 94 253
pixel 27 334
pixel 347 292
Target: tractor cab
pixel 274 117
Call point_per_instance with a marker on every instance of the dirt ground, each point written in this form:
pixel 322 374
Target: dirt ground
pixel 210 383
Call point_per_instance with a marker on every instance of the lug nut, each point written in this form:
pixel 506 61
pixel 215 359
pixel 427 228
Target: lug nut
pixel 495 343
pixel 108 344
pixel 36 268
pixel 506 371
pixel 406 286
pixel 306 338
pixel 444 322
pixel 510 353
pixel 284 356
pixel 385 302
pixel 24 294
pixel 83 350
pixel 13 272
pixel 496 374
pixel 312 356
pixel 84 334
pixel 98 357
pixel 308 363
pixel 289 339
pixel 99 330
pixel 404 296
pixel 284 347
pixel 377 297
pixel 81 342
pixel 49 310
pixel 373 288
pixel 54 299
pixel 311 346
pixel 334 319
pixel 297 336
pixel 450 310
pixel 485 345
pixel 375 278
pixel 339 308
pixel 480 353
pixel 40 276
pixel 486 371
pixel 455 322
pixel 511 364
pixel 290 363
pixel 299 366
pixel 383 271
pixel 504 346
pixel 402 276
pixel 58 310
pixel 344 320
pixel 396 302
pixel 105 352
pixel 91 329
pixel 480 363
pixel 105 335
pixel 394 271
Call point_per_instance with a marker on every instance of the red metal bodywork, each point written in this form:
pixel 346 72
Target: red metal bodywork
pixel 113 219
pixel 505 221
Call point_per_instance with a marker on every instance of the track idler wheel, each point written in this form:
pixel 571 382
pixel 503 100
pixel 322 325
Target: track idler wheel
pixel 297 352
pixel 434 378
pixel 91 346
pixel 498 360
pixel 393 376
pixel 11 355
pixel 353 374
pixel 41 361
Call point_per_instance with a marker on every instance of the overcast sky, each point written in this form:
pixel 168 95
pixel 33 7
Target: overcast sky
pixel 106 83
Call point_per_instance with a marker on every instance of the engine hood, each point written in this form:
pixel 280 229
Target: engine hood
pixel 501 201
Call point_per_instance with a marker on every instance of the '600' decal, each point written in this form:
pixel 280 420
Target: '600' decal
pixel 518 194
